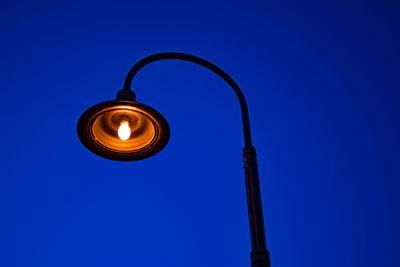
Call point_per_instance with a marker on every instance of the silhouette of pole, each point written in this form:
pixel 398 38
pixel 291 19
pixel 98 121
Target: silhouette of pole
pixel 259 254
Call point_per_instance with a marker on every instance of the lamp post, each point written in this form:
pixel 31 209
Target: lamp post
pixel 105 129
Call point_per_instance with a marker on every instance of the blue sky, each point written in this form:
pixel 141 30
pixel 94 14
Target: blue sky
pixel 322 83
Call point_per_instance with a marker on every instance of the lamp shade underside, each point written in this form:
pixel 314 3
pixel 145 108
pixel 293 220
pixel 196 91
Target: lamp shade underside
pixel 123 130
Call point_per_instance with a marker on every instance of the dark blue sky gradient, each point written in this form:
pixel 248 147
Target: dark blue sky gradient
pixel 322 83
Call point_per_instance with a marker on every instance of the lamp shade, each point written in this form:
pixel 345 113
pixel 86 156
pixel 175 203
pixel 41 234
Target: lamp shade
pixel 123 130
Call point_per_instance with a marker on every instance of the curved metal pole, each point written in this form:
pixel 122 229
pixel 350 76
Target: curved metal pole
pixel 206 64
pixel 259 254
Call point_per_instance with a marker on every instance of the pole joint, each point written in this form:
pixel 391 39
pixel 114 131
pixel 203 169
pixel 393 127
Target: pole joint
pixel 250 157
pixel 260 258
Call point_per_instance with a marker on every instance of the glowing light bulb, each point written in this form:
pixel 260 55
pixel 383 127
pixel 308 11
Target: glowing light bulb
pixel 124 132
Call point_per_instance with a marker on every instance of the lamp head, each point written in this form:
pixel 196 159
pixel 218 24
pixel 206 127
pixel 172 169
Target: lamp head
pixel 123 130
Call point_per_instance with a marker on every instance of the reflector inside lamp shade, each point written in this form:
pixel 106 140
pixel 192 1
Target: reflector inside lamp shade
pixel 123 130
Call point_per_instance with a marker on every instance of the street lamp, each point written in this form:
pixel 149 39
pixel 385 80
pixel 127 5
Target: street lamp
pixel 126 130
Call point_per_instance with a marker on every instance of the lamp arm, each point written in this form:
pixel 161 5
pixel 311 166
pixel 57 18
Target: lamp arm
pixel 206 64
pixel 259 254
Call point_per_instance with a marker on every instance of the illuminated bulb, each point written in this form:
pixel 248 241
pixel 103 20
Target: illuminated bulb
pixel 124 132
